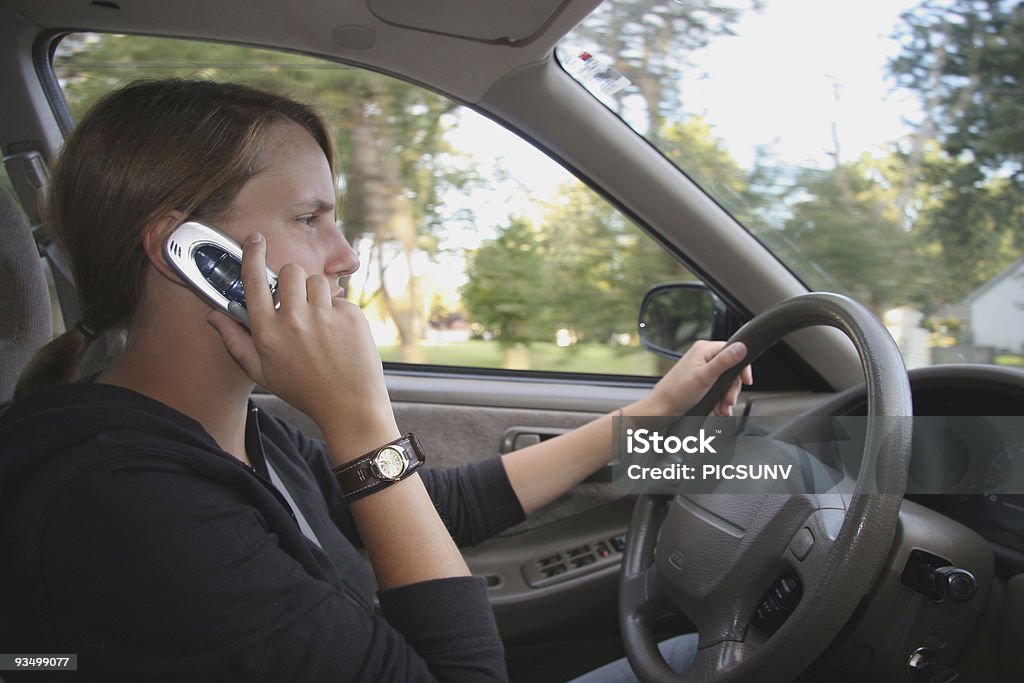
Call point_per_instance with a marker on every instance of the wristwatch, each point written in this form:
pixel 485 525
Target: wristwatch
pixel 380 468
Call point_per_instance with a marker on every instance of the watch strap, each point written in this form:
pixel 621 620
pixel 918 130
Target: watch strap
pixel 361 477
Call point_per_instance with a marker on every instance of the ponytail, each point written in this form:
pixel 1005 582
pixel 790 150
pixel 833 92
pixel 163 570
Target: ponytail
pixel 56 363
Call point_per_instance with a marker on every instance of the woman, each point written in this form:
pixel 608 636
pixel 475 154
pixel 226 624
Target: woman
pixel 159 526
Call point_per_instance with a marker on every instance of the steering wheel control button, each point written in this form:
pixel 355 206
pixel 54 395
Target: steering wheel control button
pixel 802 543
pixel 937 578
pixel 777 604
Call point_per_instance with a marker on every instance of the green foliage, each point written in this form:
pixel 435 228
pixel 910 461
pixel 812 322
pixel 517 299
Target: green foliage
pixel 942 211
pixel 507 285
pixel 588 247
pixel 389 134
pixel 692 145
pixel 839 221
pixel 584 269
pixel 965 59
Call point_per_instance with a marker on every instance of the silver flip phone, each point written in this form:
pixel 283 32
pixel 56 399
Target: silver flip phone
pixel 211 262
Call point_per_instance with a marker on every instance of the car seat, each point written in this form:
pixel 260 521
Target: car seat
pixel 25 318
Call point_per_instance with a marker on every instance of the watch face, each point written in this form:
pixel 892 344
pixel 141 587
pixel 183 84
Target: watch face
pixel 390 463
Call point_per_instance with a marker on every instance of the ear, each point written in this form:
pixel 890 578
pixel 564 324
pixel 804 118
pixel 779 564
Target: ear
pixel 153 243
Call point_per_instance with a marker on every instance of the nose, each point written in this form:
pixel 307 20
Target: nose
pixel 342 259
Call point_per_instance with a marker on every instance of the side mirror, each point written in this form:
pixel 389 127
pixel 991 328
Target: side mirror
pixel 674 315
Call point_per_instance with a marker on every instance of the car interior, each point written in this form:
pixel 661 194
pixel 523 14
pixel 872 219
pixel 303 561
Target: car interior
pixel 879 584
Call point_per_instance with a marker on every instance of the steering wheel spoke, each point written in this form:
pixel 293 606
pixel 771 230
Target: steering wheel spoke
pixel 645 591
pixel 639 581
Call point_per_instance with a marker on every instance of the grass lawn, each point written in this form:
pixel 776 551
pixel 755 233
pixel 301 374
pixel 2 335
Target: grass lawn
pixel 540 356
pixel 547 356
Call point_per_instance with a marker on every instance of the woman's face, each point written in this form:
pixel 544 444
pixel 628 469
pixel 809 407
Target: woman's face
pixel 291 203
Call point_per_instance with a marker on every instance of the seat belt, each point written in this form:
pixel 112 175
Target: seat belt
pixel 304 526
pixel 29 175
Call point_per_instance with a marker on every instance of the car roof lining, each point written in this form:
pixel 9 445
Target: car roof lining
pixel 417 54
pixel 488 21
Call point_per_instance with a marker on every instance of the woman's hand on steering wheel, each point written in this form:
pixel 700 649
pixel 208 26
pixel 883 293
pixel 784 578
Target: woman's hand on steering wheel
pixel 693 376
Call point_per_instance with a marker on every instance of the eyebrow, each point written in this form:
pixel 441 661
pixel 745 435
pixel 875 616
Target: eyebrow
pixel 314 205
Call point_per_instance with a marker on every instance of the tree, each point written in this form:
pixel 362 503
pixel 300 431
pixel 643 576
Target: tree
pixel 692 145
pixel 965 59
pixel 508 287
pixel 584 250
pixel 532 281
pixel 393 153
pixel 842 224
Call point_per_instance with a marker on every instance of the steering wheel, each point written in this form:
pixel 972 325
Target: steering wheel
pixel 715 557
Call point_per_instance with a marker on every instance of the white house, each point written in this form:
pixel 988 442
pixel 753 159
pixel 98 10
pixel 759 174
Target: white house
pixel 997 310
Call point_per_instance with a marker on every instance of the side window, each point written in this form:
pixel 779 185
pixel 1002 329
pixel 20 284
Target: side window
pixel 476 249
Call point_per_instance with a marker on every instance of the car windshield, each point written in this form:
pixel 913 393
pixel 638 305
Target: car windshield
pixel 876 148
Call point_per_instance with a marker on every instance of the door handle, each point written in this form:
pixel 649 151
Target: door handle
pixel 515 438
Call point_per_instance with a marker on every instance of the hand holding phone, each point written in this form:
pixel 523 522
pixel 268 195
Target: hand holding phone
pixel 313 349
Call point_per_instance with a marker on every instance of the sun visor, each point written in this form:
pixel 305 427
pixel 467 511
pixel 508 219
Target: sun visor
pixel 490 21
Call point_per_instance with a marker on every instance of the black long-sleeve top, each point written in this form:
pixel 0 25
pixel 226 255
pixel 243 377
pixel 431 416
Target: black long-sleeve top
pixel 130 539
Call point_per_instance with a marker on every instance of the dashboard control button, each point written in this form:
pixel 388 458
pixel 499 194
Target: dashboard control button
pixel 777 604
pixel 954 583
pixel 937 578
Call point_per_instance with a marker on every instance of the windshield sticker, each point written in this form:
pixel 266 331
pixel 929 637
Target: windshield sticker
pixel 595 74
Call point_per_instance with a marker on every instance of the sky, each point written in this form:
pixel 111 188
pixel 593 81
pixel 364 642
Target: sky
pixel 776 81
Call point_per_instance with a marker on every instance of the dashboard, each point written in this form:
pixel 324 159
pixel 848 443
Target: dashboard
pixel 984 469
